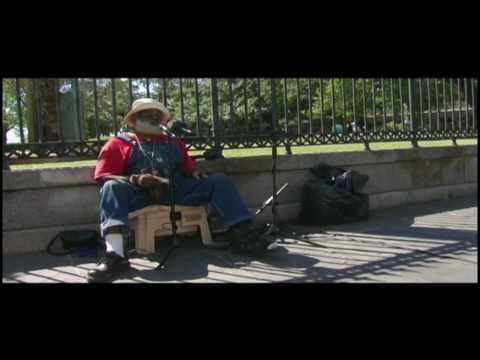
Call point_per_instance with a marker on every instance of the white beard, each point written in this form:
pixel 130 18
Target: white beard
pixel 146 128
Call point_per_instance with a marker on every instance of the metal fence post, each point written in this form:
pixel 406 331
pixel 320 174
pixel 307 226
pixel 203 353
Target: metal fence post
pixel 288 147
pixel 365 126
pixel 130 91
pixel 412 98
pixel 164 94
pixel 19 110
pixel 77 105
pixel 474 84
pixel 58 110
pixel 5 162
pixel 182 107
pixel 95 104
pixel 114 106
pixel 273 131
pixel 197 109
pixel 38 109
pixel 215 123
pixel 232 111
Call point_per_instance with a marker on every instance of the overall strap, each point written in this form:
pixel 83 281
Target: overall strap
pixel 127 138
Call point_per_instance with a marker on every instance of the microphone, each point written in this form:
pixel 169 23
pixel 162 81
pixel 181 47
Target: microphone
pixel 178 127
pixel 166 130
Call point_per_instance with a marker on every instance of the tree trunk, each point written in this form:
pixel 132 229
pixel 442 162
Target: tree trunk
pixel 31 123
pixel 49 101
pixel 44 111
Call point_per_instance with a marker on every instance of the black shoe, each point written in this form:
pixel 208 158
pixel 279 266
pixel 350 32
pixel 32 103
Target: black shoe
pixel 109 266
pixel 217 226
pixel 243 227
pixel 218 244
pixel 252 239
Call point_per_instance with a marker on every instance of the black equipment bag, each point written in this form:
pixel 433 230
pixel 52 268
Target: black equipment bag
pixel 74 240
pixel 334 198
pixel 326 173
pixel 349 180
pixel 324 204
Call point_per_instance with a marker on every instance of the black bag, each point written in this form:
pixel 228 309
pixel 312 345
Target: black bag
pixel 324 204
pixel 326 173
pixel 74 240
pixel 351 181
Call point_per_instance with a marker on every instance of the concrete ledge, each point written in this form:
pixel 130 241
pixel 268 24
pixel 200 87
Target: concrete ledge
pixel 47 178
pixel 397 198
pixel 345 159
pixel 36 240
pixel 50 207
pixel 471 169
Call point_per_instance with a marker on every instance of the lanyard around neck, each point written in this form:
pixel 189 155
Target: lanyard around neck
pixel 152 157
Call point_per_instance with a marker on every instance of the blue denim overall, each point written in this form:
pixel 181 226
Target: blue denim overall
pixel 118 198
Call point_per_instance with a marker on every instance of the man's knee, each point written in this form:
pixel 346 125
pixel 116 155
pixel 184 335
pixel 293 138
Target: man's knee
pixel 220 177
pixel 114 186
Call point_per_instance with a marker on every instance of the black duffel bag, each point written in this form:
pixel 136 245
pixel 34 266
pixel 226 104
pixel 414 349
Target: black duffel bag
pixel 324 204
pixel 349 180
pixel 74 240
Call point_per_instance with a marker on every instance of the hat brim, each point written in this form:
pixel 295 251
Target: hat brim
pixel 147 106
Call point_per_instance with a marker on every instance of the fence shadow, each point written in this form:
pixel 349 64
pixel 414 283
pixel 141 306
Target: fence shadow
pixel 395 233
pixel 401 229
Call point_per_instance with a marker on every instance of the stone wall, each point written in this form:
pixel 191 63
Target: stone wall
pixel 39 203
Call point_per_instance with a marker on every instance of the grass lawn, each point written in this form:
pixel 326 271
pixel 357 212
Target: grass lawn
pixel 315 149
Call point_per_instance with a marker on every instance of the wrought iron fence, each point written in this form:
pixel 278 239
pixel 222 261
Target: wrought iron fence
pixel 58 118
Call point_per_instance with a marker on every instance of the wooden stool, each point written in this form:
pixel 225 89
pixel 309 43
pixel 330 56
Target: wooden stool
pixel 154 221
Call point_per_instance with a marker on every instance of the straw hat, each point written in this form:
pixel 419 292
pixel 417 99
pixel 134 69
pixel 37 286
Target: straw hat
pixel 144 104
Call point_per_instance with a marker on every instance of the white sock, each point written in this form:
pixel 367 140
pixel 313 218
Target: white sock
pixel 114 243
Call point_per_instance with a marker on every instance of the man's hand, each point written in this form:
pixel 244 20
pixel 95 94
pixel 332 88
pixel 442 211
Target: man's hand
pixel 147 180
pixel 199 175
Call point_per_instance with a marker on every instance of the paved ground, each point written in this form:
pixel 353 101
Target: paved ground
pixel 431 242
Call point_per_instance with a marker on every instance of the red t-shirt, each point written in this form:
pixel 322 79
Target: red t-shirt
pixel 113 158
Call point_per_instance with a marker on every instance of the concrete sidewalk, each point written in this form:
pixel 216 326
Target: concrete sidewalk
pixel 430 242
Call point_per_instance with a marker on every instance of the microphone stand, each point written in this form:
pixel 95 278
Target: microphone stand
pixel 173 217
pixel 273 227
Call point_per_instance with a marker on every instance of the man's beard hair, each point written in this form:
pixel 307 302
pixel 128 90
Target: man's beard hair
pixel 145 127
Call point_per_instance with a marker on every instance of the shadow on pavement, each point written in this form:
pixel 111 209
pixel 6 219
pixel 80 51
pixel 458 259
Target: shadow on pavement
pixel 392 240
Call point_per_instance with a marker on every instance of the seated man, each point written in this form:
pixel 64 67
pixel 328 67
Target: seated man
pixel 133 164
